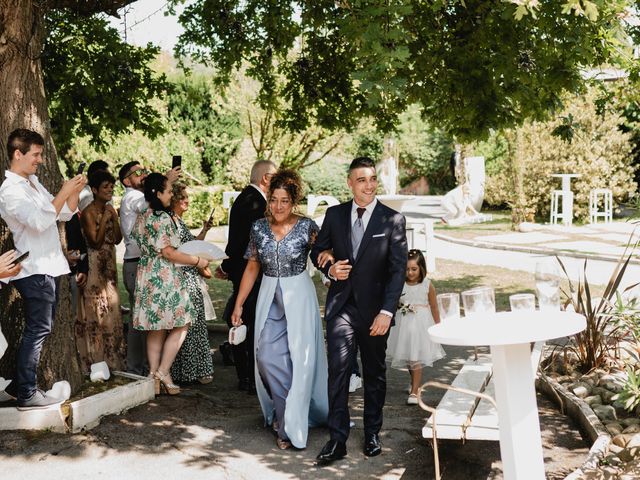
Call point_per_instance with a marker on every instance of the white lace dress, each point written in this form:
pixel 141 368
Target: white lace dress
pixel 409 344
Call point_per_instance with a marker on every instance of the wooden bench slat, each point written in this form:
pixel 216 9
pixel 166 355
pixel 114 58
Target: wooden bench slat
pixel 455 408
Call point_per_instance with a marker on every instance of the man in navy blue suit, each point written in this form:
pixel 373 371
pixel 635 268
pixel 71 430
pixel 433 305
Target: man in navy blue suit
pixel 369 243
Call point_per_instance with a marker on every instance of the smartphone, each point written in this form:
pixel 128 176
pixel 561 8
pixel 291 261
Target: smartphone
pixel 177 161
pixel 213 210
pixel 81 168
pixel 21 258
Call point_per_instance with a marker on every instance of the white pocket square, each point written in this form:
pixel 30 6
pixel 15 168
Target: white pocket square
pixel 378 235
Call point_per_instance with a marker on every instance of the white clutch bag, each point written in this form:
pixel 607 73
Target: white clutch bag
pixel 237 335
pixel 202 249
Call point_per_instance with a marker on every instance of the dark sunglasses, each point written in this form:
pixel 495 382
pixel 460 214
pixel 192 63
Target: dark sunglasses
pixel 138 173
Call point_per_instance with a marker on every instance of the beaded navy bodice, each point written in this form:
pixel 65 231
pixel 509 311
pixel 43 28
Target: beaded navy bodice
pixel 286 258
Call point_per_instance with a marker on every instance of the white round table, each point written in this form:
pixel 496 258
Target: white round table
pixel 509 335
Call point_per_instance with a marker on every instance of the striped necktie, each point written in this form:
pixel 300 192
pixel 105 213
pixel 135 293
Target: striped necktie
pixel 357 232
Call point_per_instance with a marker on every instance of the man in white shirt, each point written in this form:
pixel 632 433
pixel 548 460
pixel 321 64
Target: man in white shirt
pixel 132 175
pixel 32 213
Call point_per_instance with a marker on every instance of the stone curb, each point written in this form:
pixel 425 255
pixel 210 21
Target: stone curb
pixel 533 250
pixel 582 413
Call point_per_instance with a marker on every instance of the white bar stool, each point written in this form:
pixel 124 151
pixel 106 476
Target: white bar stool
pixel 566 213
pixel 607 201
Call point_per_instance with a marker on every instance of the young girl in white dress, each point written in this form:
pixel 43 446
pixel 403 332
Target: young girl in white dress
pixel 410 347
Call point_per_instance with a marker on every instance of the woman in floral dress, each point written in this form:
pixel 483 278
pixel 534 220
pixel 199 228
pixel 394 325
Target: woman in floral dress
pixel 162 304
pixel 193 362
pixel 99 327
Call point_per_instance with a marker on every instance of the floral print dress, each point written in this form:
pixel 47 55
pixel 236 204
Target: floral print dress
pixel 162 299
pixel 194 358
pixel 99 334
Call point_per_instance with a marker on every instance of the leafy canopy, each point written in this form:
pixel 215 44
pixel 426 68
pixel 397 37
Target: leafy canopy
pixel 472 65
pixel 95 82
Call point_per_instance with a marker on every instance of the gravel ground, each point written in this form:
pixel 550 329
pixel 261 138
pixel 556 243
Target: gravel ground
pixel 215 431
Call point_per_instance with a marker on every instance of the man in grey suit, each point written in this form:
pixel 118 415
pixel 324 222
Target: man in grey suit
pixel 369 243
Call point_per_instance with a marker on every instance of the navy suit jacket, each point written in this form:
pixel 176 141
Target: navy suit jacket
pixel 248 207
pixel 378 274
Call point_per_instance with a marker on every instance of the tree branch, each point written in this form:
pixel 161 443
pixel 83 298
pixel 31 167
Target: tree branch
pixel 86 8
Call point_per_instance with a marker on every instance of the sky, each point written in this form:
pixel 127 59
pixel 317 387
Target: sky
pixel 146 22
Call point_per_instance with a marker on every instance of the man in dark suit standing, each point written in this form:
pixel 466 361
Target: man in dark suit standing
pixel 369 243
pixel 248 207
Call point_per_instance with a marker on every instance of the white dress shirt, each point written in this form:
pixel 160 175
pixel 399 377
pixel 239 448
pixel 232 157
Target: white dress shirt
pixel 32 219
pixel 85 198
pixel 366 216
pixel 133 204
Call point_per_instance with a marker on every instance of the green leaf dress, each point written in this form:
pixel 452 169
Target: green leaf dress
pixel 162 299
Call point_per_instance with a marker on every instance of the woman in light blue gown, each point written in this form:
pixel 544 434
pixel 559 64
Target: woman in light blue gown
pixel 291 362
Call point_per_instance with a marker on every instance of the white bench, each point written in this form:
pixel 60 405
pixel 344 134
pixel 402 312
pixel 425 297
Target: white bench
pixel 467 411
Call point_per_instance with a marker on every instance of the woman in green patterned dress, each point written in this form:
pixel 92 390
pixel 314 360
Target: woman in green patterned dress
pixel 193 362
pixel 162 305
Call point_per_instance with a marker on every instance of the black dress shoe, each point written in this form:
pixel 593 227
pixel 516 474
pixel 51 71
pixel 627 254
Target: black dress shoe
pixel 372 445
pixel 332 451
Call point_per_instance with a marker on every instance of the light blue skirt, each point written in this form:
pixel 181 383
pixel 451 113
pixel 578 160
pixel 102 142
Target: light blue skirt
pixel 307 403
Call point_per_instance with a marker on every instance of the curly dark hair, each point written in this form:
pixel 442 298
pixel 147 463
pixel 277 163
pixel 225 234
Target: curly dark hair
pixel 155 183
pixel 289 181
pixel 98 177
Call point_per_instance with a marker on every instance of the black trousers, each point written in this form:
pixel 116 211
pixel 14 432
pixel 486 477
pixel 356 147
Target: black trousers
pixel 345 331
pixel 243 354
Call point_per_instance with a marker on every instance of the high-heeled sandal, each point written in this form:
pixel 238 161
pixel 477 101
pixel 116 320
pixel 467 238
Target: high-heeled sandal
pixel 169 388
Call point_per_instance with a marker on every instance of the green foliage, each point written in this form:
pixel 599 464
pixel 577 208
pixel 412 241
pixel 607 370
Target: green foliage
pixel 202 116
pixel 425 151
pixel 328 177
pixel 596 345
pixel 97 84
pixel 599 151
pixel 368 142
pixel 155 154
pixel 630 395
pixel 201 203
pixel 473 65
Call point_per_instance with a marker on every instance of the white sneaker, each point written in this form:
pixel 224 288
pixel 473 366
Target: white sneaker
pixel 412 400
pixel 355 382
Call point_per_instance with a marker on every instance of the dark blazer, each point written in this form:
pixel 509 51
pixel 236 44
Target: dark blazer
pixel 248 207
pixel 378 274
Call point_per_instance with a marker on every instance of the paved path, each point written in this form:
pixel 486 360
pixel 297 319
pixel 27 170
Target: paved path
pixel 215 432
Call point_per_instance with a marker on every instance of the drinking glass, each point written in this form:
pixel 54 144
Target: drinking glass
pixel 448 306
pixel 478 300
pixel 548 284
pixel 522 301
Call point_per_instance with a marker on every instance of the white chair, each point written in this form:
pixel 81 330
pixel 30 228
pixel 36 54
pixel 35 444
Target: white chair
pixel 314 201
pixel 564 198
pixel 594 201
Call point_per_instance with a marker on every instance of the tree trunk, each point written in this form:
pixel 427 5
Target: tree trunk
pixel 23 104
pixel 519 209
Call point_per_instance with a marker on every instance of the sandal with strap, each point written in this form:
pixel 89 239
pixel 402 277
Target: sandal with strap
pixel 166 383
